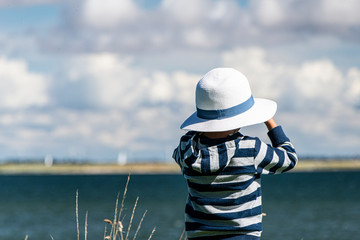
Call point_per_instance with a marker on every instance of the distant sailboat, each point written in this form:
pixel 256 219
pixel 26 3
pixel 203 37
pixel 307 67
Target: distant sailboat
pixel 122 158
pixel 48 160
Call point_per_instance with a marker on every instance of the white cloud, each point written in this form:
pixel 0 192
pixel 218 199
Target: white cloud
pixel 200 38
pixel 11 119
pixel 263 75
pixel 108 13
pixel 185 12
pixel 111 82
pixel 319 17
pixel 115 83
pixel 125 27
pixel 313 81
pixel 22 132
pixel 175 87
pixel 19 87
pixel 334 13
pixel 352 92
pixel 161 89
pixel 319 80
pixel 270 12
pixel 133 106
pixel 10 3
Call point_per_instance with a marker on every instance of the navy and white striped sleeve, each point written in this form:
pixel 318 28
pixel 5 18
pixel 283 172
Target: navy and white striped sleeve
pixel 278 158
pixel 176 155
pixel 184 151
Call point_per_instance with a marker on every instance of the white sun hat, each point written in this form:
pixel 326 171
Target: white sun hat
pixel 224 102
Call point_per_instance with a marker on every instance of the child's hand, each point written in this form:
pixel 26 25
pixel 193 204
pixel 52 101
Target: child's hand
pixel 270 124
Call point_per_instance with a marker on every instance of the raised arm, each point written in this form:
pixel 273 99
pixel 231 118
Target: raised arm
pixel 278 158
pixel 270 124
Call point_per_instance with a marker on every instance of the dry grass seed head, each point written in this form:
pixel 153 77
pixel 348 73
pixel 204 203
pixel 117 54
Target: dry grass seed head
pixel 108 221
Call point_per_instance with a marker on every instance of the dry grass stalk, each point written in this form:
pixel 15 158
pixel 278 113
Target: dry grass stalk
pixel 120 228
pixel 116 225
pixel 117 228
pixel 77 214
pixel 124 195
pixel 183 235
pixel 131 219
pixel 139 226
pixel 152 233
pixel 86 217
pixel 114 230
pixel 115 217
pixel 77 218
pixel 105 230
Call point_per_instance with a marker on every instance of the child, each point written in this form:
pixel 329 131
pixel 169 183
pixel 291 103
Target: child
pixel 223 167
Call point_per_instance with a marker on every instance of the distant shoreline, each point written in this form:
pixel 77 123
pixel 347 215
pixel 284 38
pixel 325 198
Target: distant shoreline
pixel 155 168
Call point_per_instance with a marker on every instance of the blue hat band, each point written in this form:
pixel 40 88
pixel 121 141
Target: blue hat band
pixel 226 113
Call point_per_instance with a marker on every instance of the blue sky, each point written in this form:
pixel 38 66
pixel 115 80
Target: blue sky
pixel 22 18
pixel 89 79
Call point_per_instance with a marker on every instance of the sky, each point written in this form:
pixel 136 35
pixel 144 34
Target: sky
pixel 90 79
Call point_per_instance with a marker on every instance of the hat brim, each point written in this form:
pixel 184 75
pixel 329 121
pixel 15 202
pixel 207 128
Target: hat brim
pixel 261 111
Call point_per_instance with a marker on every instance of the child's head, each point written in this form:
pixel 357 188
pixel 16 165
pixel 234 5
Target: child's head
pixel 224 102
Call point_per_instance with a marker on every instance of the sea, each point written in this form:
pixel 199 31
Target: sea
pixel 299 206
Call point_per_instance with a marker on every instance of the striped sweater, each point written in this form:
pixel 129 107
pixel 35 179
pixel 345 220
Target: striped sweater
pixel 224 200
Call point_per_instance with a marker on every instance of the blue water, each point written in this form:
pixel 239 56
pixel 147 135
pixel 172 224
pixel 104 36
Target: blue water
pixel 305 206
